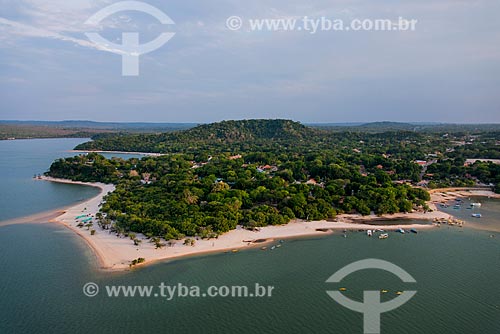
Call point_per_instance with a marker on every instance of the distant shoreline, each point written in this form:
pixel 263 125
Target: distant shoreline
pixel 38 138
pixel 115 253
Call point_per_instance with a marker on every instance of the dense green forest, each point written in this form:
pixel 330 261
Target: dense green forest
pixel 266 172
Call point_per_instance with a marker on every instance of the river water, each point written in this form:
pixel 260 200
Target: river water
pixel 45 266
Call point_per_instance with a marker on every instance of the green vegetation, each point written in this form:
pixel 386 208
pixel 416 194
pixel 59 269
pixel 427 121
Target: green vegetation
pixel 79 129
pixel 266 172
pixel 137 261
pixel 15 131
pixel 227 136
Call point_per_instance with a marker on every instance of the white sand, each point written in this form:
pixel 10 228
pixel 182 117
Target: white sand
pixel 446 194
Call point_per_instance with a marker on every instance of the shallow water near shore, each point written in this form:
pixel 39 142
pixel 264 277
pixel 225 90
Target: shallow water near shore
pixel 456 272
pixel 44 267
pixel 489 210
pixel 20 160
pixel 20 194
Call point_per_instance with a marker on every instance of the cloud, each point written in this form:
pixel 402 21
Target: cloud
pixel 60 15
pixel 13 28
pixel 60 20
pixel 207 71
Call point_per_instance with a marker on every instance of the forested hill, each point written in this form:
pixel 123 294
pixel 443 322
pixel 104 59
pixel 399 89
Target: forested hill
pixel 255 129
pixel 226 135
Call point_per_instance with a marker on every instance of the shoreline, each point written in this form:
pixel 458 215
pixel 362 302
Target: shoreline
pixel 148 154
pixel 442 195
pixel 115 253
pixel 44 216
pixel 92 206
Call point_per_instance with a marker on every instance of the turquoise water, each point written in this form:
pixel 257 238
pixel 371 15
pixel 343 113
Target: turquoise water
pixel 44 267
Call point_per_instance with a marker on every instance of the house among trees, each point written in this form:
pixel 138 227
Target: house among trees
pixel 267 168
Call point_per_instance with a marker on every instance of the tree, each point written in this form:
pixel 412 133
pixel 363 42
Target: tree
pixel 189 242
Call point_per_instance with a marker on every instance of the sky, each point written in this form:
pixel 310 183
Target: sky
pixel 447 70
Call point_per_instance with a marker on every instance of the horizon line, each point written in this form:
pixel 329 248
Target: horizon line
pixel 428 123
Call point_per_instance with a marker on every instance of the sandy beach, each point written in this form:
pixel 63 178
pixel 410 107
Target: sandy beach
pixel 116 253
pixel 45 216
pixel 444 195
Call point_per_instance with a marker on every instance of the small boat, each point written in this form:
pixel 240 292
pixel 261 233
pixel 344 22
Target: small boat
pixel 342 289
pixel 413 231
pixel 400 230
pixel 234 251
pixel 272 248
pixel 383 236
pixel 477 215
pixel 263 248
pixel 278 246
pixel 345 235
pixel 457 206
pixel 282 241
pixel 476 205
pixel 369 233
pixel 384 291
pixel 399 292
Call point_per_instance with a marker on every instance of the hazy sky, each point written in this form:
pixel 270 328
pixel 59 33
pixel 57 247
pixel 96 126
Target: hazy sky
pixel 447 70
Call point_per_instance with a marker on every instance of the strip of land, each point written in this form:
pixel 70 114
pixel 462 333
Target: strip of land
pixel 119 152
pixel 116 253
pixel 34 218
pixel 444 195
